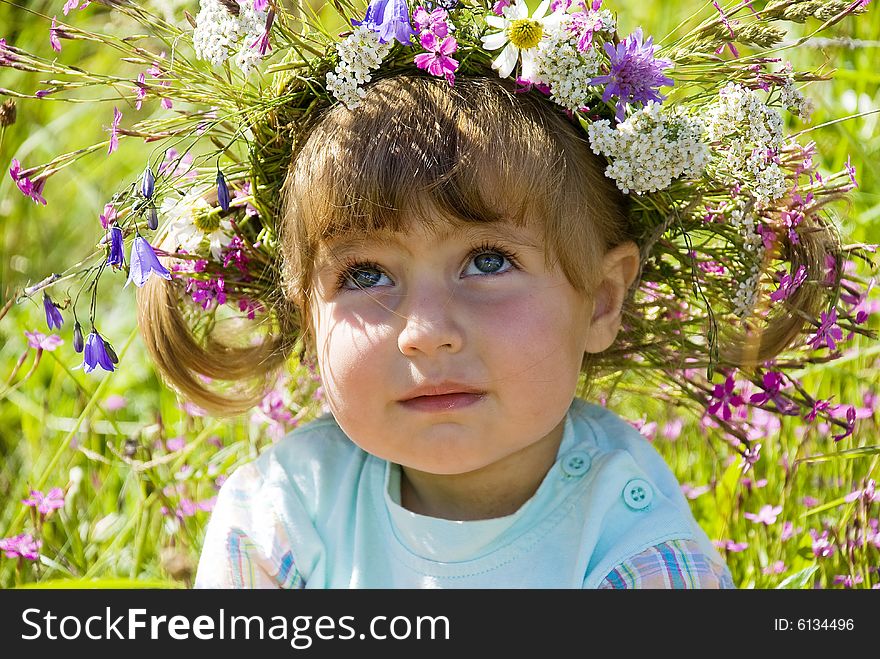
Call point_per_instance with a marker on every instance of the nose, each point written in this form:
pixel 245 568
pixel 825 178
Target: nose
pixel 430 325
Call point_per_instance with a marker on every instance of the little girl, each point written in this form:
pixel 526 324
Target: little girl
pixel 455 256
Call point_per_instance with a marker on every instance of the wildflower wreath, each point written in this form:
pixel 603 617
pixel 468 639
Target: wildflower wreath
pixel 740 257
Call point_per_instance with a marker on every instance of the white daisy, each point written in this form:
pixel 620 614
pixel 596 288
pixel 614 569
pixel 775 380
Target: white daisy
pixel 519 33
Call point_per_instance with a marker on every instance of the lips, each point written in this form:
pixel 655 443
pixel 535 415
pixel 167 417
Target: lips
pixel 444 397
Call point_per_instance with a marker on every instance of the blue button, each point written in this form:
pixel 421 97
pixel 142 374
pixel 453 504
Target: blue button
pixel 576 463
pixel 638 494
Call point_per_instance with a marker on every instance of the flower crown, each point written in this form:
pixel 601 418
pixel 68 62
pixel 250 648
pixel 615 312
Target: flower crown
pixel 728 209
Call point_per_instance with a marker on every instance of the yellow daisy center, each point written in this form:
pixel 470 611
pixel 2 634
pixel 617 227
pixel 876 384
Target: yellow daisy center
pixel 206 222
pixel 525 33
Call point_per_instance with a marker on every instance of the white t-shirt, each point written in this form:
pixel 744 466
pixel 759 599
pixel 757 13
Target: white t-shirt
pixel 316 511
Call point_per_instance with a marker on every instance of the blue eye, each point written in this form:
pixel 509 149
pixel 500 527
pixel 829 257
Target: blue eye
pixel 488 263
pixel 363 276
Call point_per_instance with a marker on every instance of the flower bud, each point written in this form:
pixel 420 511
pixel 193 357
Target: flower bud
pixel 152 218
pixel 222 192
pixel 77 337
pixel 148 183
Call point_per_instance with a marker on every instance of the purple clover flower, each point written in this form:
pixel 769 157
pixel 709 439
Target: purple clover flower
pixel 828 333
pixel 390 18
pixel 143 262
pixel 54 319
pixel 46 503
pixel 21 546
pixel 116 258
pixel 634 73
pixel 95 353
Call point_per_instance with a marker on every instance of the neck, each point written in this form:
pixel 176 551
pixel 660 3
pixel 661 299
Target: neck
pixel 496 490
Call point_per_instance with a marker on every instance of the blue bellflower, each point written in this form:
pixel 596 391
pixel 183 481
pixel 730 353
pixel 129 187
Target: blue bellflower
pixel 390 18
pixel 143 262
pixel 96 354
pixel 54 319
pixel 116 258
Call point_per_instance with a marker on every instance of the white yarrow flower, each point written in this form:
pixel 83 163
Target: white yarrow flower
pixel 750 134
pixel 650 149
pixel 359 54
pixel 219 33
pixel 561 65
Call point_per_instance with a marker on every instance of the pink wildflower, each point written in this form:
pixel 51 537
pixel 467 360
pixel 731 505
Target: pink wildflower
pixel 114 131
pixel 437 61
pixel 29 188
pixel 778 567
pixel 730 545
pixel 45 504
pixel 767 515
pixel 21 546
pixel 850 424
pixel 851 171
pixel 108 217
pixel 40 341
pixel 724 397
pixel 869 493
pixel 54 41
pixel 498 7
pixel 822 546
pixel 789 284
pixel 828 332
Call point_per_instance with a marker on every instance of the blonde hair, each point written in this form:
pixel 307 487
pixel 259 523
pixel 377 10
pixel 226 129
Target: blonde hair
pixel 476 152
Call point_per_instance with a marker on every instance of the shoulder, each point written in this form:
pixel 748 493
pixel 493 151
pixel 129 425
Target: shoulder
pixel 305 462
pixel 676 564
pixel 639 511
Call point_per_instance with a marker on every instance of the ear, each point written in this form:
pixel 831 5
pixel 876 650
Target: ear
pixel 620 266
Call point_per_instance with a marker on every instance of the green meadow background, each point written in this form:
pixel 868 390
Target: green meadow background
pixel 139 468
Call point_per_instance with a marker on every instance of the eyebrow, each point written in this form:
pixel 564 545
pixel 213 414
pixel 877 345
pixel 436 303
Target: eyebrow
pixel 339 248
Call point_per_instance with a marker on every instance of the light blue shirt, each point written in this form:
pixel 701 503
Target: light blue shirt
pixel 316 510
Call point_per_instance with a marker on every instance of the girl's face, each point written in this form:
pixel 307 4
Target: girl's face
pixel 448 351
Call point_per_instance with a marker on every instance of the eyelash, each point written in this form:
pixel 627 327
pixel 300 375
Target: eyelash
pixel 350 264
